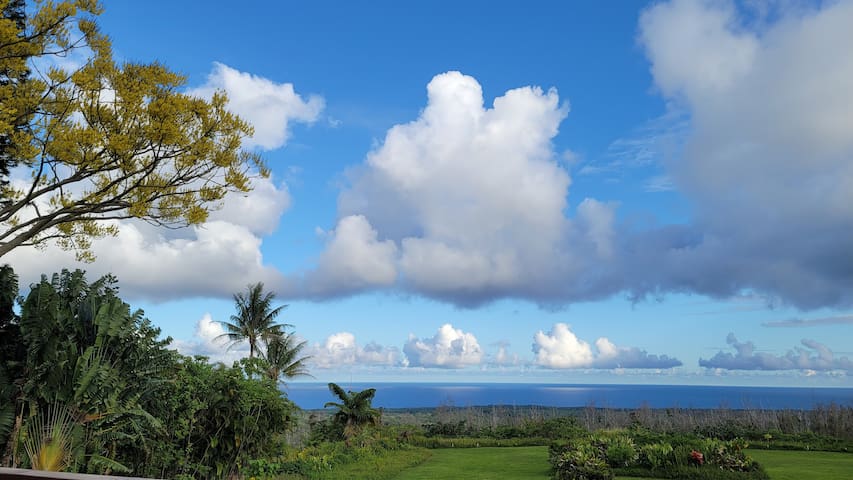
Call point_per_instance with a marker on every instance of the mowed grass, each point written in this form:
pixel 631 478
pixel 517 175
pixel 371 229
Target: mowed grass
pixel 798 465
pixel 384 467
pixel 517 463
pixel 528 463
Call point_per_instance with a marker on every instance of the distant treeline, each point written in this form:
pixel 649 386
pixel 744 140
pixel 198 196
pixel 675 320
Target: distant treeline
pixel 831 420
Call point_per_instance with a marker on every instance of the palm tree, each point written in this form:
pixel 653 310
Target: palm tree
pixel 255 319
pixel 354 410
pixel 283 357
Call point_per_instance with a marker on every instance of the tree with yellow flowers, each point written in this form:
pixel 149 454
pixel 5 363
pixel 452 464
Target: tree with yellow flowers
pixel 105 140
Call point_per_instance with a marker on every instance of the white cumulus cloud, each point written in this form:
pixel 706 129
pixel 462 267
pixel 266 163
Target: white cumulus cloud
pixel 811 357
pixel 768 160
pixel 206 342
pixel 561 348
pixel 268 106
pixel 503 357
pixel 449 348
pixel 353 260
pixel 341 349
pixel 466 204
pixel 214 259
pixel 258 210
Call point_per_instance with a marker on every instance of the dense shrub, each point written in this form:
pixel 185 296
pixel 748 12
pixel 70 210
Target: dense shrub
pixel 728 455
pixel 551 428
pixel 136 406
pixel 543 430
pixel 620 451
pixel 681 455
pixel 607 452
pixel 326 430
pixel 582 461
pixel 218 418
pixel 657 455
pixel 322 459
pixel 446 429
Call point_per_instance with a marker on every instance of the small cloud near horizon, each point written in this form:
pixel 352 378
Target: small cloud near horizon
pixel 812 356
pixel 811 322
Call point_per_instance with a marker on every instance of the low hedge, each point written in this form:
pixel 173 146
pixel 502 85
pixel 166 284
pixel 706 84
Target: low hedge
pixel 601 455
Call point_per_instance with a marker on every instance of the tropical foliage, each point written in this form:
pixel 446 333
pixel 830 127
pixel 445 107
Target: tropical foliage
pixel 94 389
pixel 254 321
pixel 602 454
pixel 11 352
pixel 354 411
pixel 284 357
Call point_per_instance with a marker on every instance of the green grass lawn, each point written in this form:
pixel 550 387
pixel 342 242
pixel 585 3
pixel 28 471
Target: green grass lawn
pixel 385 467
pixel 797 465
pixel 517 463
pixel 527 463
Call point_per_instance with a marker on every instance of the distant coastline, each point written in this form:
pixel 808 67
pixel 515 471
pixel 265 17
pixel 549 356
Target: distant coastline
pixel 413 395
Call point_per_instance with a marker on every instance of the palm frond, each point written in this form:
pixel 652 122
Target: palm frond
pixel 107 464
pixel 354 410
pixel 254 320
pixel 339 392
pixel 48 443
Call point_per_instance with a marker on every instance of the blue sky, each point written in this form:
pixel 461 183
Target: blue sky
pixel 483 191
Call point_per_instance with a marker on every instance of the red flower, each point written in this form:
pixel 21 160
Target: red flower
pixel 697 457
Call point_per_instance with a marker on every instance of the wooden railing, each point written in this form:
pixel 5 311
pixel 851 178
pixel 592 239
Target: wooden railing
pixel 23 474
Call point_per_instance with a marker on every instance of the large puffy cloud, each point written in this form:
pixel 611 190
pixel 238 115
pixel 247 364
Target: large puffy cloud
pixel 561 348
pixel 353 260
pixel 216 258
pixel 206 341
pixel 467 204
pixel 341 349
pixel 768 162
pixel 258 210
pixel 474 206
pixel 448 348
pixel 814 357
pixel 268 106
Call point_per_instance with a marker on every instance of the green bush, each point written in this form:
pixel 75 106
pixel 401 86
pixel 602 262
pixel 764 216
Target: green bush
pixel 681 455
pixel 582 462
pixel 657 455
pixel 728 455
pixel 447 429
pixel 553 428
pixel 146 410
pixel 620 451
pixel 369 450
pixel 604 453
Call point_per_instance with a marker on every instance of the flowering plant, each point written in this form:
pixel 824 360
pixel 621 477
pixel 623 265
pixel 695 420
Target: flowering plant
pixel 697 458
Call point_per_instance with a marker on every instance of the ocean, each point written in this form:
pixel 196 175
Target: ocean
pixel 311 396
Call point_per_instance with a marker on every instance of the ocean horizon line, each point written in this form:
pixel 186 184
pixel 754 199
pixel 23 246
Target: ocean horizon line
pixel 435 394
